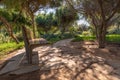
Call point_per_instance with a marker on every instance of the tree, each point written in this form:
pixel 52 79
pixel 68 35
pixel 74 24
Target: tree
pixel 29 7
pixel 100 13
pixel 65 17
pixel 11 22
pixel 46 21
pixel 5 18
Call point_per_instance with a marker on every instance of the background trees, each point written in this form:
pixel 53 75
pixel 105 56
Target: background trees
pixel 11 22
pixel 65 17
pixel 46 22
pixel 6 18
pixel 29 8
pixel 100 13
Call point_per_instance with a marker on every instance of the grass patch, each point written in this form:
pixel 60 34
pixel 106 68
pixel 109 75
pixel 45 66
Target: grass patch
pixel 109 38
pixel 83 38
pixel 8 47
pixel 113 38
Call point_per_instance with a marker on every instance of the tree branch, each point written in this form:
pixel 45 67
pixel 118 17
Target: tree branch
pixel 101 9
pixel 9 28
pixel 71 5
pixel 114 11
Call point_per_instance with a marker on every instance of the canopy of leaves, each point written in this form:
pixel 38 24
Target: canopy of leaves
pixel 46 21
pixel 32 5
pixel 97 10
pixel 4 13
pixel 65 16
pixel 12 17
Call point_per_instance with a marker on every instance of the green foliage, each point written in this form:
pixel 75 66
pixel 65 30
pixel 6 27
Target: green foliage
pixel 19 18
pixel 16 4
pixel 8 47
pixel 46 21
pixel 4 39
pixel 83 38
pixel 73 30
pixel 52 38
pixel 14 17
pixel 114 30
pixel 109 38
pixel 67 35
pixel 7 15
pixel 113 38
pixel 92 30
pixel 65 17
pixel 16 20
pixel 86 33
pixel 19 36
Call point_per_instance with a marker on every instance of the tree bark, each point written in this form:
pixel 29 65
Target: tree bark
pixel 27 45
pixel 101 34
pixel 34 27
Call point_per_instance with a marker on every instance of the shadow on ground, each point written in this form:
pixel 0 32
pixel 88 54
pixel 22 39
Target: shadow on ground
pixel 66 60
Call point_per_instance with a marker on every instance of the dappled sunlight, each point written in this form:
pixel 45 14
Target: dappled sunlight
pixel 73 61
pixel 79 62
pixel 61 39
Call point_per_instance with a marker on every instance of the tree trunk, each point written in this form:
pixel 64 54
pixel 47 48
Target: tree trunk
pixel 27 45
pixel 9 29
pixel 34 27
pixel 101 37
pixel 96 32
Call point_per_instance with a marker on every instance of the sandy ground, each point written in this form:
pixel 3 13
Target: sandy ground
pixel 66 60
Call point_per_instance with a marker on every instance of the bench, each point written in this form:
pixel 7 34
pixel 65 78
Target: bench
pixel 31 44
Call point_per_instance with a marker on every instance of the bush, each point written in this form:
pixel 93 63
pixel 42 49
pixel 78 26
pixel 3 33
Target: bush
pixel 53 40
pixel 51 37
pixel 86 33
pixel 5 39
pixel 19 36
pixel 67 36
pixel 56 37
pixel 84 38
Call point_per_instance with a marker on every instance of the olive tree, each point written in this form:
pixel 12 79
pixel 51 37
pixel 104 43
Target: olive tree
pixel 65 17
pixel 46 22
pixel 29 7
pixel 5 19
pixel 100 13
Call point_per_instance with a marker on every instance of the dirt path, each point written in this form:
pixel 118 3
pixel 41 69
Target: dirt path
pixel 66 60
pixel 62 43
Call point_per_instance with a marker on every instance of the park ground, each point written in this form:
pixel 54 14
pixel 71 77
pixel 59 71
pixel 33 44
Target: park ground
pixel 67 60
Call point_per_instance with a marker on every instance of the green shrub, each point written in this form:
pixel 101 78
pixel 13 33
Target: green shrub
pixel 84 38
pixel 51 37
pixel 19 36
pixel 56 37
pixel 53 40
pixel 86 33
pixel 5 39
pixel 67 36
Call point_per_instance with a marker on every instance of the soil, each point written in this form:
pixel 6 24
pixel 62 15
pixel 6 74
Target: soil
pixel 66 60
